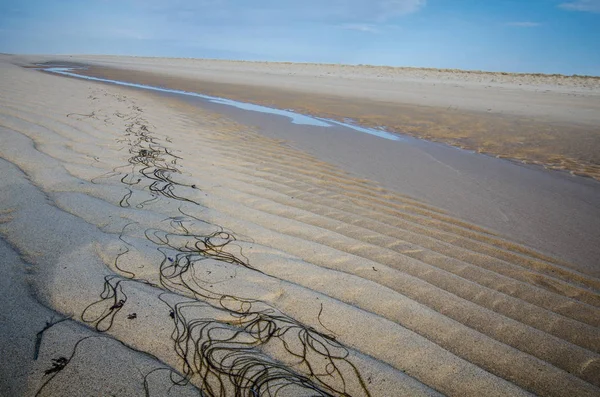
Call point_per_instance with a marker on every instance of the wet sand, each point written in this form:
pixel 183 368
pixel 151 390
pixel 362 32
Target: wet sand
pixel 190 221
pixel 552 212
pixel 548 120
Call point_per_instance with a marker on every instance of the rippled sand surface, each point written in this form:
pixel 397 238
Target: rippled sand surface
pixel 149 249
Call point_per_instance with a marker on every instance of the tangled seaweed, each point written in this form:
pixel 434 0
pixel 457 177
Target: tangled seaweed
pixel 229 353
pixel 245 347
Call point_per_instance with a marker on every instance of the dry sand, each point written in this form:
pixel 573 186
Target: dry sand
pixel 186 242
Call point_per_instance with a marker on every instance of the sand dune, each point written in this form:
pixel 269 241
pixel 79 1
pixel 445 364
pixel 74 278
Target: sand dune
pixel 189 248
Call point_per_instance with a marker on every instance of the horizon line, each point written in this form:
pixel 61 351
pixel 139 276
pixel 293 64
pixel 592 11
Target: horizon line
pixel 358 65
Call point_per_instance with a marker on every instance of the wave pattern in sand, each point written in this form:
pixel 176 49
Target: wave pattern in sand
pixel 248 267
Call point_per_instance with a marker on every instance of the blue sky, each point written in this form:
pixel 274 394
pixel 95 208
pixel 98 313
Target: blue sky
pixel 548 36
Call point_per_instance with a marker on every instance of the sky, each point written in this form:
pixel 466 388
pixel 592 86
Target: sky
pixel 543 36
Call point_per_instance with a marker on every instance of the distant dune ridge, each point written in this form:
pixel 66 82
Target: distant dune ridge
pixel 341 70
pixel 185 252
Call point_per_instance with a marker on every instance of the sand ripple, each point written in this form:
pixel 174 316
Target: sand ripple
pixel 228 262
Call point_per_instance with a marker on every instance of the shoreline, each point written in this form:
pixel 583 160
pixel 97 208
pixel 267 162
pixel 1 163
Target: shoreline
pixel 562 140
pixel 82 71
pixel 512 189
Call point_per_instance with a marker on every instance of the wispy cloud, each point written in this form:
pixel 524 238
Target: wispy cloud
pixel 350 11
pixel 393 8
pixel 526 24
pixel 361 27
pixel 127 34
pixel 582 5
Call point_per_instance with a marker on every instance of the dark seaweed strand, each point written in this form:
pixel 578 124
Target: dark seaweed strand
pixel 153 161
pixel 176 378
pixel 112 299
pixel 216 358
pixel 258 327
pixel 148 159
pixel 202 247
pixel 224 354
pixel 127 273
pixel 58 364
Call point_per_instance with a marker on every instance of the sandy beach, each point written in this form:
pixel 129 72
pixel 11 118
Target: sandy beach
pixel 551 120
pixel 159 246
